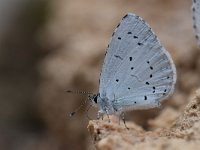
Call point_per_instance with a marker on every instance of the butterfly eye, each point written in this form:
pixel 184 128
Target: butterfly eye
pixel 95 99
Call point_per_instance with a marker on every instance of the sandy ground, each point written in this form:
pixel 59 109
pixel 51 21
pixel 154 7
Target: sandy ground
pixel 179 131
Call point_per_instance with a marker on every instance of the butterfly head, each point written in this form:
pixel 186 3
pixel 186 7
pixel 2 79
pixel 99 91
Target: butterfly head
pixel 93 99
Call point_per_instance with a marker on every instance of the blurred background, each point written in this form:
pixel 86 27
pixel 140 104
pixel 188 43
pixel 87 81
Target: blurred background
pixel 49 46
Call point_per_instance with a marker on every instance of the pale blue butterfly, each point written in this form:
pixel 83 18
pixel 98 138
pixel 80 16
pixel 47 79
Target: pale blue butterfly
pixel 138 73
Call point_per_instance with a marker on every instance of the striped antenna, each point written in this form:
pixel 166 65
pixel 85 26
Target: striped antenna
pixel 78 92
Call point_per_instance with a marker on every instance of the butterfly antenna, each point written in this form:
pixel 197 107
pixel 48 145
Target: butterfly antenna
pixel 83 104
pixel 77 109
pixel 78 92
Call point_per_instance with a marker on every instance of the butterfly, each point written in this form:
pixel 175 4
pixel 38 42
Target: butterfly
pixel 137 73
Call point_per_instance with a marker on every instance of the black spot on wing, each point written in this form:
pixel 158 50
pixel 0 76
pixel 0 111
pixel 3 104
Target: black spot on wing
pixel 113 34
pixel 125 16
pixel 117 56
pixel 154 89
pixel 118 25
pixel 105 53
pixel 165 92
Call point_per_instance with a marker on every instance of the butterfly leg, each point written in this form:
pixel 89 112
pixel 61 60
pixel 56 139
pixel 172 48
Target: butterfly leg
pixel 122 116
pixel 119 120
pixel 99 115
pixel 108 117
pixel 88 117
